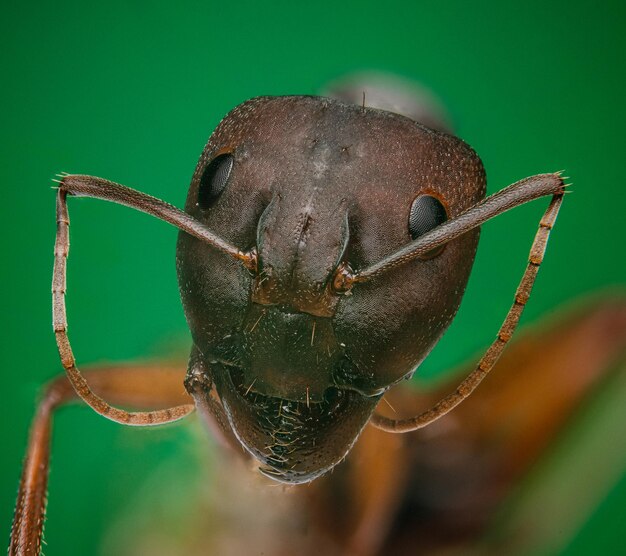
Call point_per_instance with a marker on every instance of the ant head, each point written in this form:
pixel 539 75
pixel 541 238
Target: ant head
pixel 316 191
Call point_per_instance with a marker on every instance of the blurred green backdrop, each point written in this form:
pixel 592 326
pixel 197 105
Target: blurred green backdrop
pixel 131 91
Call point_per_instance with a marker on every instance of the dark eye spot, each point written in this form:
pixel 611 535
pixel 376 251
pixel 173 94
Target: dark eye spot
pixel 427 212
pixel 214 179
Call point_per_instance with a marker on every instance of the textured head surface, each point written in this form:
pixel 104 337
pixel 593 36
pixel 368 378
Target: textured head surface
pixel 315 183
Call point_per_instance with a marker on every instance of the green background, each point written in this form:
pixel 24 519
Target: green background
pixel 131 91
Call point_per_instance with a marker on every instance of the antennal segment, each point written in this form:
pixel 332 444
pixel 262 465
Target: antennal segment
pixel 489 359
pixel 512 196
pixel 90 186
pixel 59 323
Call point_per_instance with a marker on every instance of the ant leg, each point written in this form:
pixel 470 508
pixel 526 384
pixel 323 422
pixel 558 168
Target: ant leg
pixel 142 386
pixel 549 376
pixel 505 333
pixel 59 319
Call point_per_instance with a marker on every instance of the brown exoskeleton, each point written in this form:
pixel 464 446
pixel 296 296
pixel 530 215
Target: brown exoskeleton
pixel 324 249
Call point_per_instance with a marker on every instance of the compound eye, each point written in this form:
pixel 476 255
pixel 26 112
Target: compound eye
pixel 214 179
pixel 427 212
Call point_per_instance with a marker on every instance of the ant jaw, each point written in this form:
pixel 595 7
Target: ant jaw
pixel 292 441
